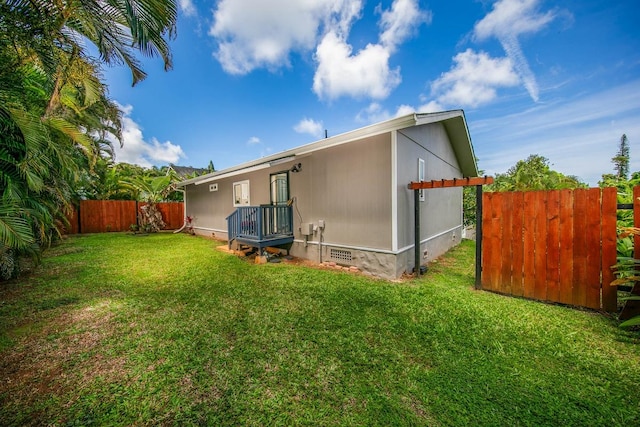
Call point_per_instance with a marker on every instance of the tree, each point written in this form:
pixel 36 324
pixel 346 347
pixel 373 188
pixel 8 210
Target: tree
pixel 54 109
pixel 534 173
pixel 621 159
pixel 621 181
pixel 152 190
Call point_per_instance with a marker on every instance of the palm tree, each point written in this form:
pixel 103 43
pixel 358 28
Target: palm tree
pixel 54 109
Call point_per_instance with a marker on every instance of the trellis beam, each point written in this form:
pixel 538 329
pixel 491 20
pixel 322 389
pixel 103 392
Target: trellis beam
pixel 446 183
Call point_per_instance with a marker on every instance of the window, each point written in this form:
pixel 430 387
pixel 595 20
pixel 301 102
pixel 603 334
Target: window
pixel 241 193
pixel 421 176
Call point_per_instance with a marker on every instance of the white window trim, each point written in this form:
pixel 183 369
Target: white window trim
pixel 248 198
pixel 421 175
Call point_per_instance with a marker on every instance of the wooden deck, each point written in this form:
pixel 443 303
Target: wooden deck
pixel 261 226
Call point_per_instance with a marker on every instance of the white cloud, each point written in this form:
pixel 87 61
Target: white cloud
pixel 138 151
pixel 253 35
pixel 431 107
pixel 403 110
pixel 254 140
pixel 508 20
pixel 472 80
pixel 187 7
pixel 375 113
pixel 401 21
pixel 309 126
pixel 340 73
pixel 367 73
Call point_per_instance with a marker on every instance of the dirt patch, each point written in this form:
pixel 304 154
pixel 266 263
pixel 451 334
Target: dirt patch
pixel 60 358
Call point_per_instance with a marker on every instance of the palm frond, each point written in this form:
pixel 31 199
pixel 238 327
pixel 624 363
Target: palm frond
pixel 15 230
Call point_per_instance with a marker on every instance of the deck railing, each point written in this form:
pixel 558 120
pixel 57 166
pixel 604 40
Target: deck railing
pixel 260 222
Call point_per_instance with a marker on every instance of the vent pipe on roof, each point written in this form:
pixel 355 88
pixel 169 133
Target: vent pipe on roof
pixel 326 134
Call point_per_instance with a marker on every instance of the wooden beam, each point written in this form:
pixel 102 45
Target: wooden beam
pixel 455 182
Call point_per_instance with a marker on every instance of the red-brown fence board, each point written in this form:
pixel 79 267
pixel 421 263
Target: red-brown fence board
pixel 100 216
pixel 579 247
pixel 494 242
pixel 553 246
pixel 594 245
pixel 486 228
pixel 506 242
pixel 540 246
pixel 609 208
pixel 528 231
pixel 517 245
pixel 565 262
pixel 73 222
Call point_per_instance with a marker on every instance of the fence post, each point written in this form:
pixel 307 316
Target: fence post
pixel 478 236
pixel 136 213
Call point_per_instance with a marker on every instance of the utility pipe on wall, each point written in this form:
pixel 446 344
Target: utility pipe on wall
pixel 416 202
pixel 184 205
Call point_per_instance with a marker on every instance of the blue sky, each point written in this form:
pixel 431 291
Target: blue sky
pixel 256 77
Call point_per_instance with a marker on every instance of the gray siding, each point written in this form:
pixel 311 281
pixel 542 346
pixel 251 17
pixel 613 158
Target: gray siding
pixel 348 186
pixel 211 209
pixel 442 208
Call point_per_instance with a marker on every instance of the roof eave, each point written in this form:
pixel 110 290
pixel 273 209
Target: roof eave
pixel 375 129
pixel 453 120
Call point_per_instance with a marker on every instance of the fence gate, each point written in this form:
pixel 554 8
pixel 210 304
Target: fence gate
pixel 555 246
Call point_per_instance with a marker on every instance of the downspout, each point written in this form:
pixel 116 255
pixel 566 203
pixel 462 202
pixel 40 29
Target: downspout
pixel 416 202
pixel 184 203
pixel 320 244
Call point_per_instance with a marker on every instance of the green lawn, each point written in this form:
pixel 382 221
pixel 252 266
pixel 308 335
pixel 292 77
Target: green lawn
pixel 116 329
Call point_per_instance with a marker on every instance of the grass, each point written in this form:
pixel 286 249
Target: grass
pixel 114 329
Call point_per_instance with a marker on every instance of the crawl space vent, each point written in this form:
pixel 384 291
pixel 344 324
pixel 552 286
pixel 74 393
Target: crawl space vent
pixel 341 255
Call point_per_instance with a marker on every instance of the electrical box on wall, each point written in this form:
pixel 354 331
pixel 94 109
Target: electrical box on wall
pixel 213 187
pixel 306 228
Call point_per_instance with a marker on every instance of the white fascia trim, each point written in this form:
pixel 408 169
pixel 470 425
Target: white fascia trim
pixel 435 236
pixel 394 191
pixel 355 248
pixel 217 230
pixel 371 130
pixel 282 160
pixel 365 132
pixel 234 173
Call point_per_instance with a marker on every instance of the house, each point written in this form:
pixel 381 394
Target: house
pixel 184 172
pixel 345 198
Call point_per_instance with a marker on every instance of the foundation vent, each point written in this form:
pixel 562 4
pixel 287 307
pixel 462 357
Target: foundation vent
pixel 340 255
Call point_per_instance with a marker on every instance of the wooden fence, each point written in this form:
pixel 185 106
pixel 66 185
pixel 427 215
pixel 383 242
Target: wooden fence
pixel 555 246
pixel 100 216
